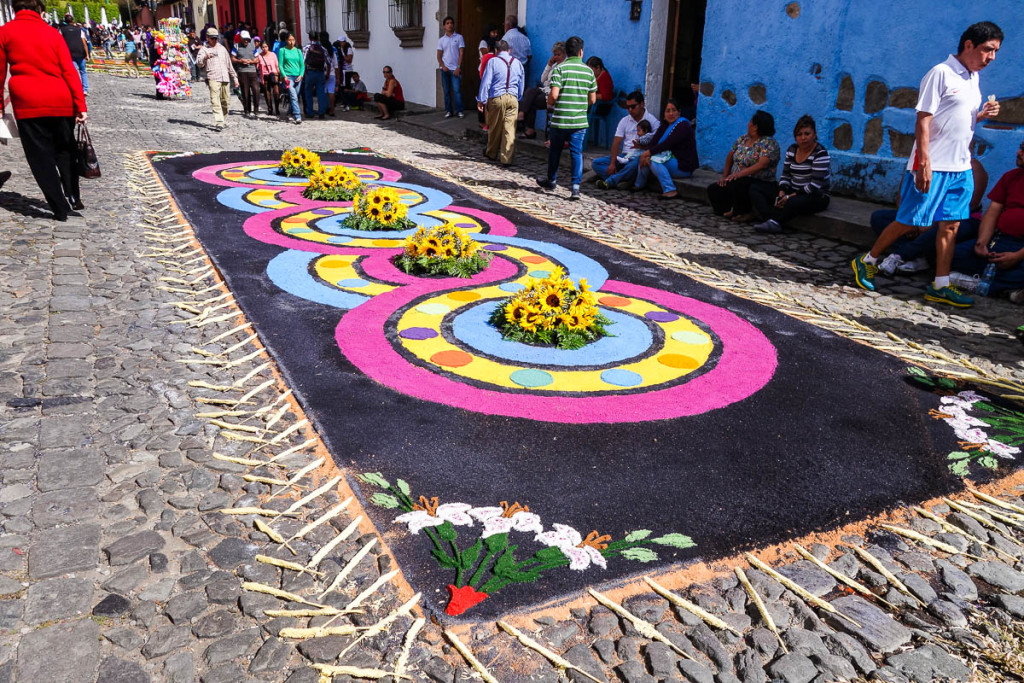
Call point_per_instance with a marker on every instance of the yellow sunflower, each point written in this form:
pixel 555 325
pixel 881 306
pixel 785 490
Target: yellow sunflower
pixel 551 299
pixel 515 311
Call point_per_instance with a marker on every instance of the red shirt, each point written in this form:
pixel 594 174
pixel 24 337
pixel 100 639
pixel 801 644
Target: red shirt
pixel 1009 192
pixel 44 80
pixel 605 88
pixel 483 62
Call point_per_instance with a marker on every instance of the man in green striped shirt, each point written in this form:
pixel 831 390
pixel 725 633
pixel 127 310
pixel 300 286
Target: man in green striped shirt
pixel 573 90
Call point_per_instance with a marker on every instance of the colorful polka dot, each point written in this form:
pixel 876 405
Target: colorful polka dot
pixel 298 231
pixel 417 333
pixel 322 212
pixel 433 309
pixel 621 378
pixel 352 282
pixel 691 337
pixel 495 247
pixel 531 378
pixel 463 296
pixel 540 274
pixel 334 262
pixel 451 359
pixel 339 239
pixel 532 259
pixel 676 360
pixel 511 287
pixel 615 301
pixel 661 316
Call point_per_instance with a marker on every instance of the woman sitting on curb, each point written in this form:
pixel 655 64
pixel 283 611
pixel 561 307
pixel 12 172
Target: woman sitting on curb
pixel 804 185
pixel 673 154
pixel 752 160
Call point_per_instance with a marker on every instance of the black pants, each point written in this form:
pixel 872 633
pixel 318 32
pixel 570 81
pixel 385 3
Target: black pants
pixel 763 196
pixel 390 103
pixel 52 155
pixel 734 196
pixel 534 100
pixel 269 87
pixel 249 84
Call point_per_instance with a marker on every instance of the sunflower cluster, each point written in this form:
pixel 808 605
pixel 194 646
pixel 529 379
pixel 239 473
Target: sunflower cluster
pixel 378 209
pixel 332 184
pixel 553 311
pixel 299 161
pixel 442 250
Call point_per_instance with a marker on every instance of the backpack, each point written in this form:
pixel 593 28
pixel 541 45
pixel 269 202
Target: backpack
pixel 316 59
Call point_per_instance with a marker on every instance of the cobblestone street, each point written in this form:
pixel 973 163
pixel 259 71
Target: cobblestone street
pixel 116 564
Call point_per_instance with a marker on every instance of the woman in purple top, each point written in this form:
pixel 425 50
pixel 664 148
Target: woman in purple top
pixel 673 154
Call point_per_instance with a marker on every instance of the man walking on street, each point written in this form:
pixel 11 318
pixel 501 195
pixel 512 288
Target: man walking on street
pixel 318 64
pixel 78 47
pixel 938 183
pixel 220 74
pixel 518 43
pixel 573 89
pixel 450 48
pixel 501 86
pixel 243 58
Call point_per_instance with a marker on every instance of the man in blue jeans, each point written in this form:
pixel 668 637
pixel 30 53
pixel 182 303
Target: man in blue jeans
pixel 318 63
pixel 450 49
pixel 573 90
pixel 78 47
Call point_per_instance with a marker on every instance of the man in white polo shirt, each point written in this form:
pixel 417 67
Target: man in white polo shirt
pixel 938 183
pixel 609 169
pixel 450 49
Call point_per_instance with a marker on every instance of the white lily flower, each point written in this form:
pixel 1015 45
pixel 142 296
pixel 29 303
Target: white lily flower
pixel 501 520
pixel 456 513
pixel 1000 449
pixel 973 435
pixel 571 543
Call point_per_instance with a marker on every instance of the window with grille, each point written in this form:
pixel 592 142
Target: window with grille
pixel 405 13
pixel 315 14
pixel 356 16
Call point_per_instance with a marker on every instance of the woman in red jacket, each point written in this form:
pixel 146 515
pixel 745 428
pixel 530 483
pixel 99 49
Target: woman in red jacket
pixel 46 93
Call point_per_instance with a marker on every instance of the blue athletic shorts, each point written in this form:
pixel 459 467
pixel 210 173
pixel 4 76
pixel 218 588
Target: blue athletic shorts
pixel 948 198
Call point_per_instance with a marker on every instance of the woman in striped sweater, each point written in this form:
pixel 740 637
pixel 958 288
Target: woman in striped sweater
pixel 804 186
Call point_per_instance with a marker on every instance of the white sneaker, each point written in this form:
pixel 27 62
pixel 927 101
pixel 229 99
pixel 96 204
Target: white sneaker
pixel 915 266
pixel 890 263
pixel 447 114
pixel 964 282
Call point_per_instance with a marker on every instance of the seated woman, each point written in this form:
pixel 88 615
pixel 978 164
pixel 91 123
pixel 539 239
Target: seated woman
pixel 605 95
pixel 672 155
pixel 752 159
pixel 805 183
pixel 390 98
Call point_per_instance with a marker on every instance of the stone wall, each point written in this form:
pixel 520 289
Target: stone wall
pixel 855 67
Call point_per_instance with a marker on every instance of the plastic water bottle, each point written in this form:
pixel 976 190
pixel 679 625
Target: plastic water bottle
pixel 985 283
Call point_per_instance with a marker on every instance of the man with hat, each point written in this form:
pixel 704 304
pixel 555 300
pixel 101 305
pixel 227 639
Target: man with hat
pixel 243 58
pixel 220 74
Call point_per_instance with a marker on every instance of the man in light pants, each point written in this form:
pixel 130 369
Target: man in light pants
pixel 220 74
pixel 501 86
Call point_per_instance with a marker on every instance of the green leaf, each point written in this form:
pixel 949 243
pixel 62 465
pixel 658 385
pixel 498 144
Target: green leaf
pixel 496 543
pixel 960 468
pixel 989 462
pixel 471 554
pixel 914 370
pixel 946 383
pixel 675 541
pixel 637 535
pixel 385 500
pixel 444 559
pixel 550 554
pixel 640 554
pixel 403 487
pixel 375 478
pixel 505 561
pixel 958 455
pixel 447 532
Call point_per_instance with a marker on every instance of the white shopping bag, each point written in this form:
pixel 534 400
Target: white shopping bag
pixel 8 126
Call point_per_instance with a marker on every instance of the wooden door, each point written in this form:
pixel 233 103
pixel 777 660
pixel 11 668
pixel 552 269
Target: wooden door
pixel 471 21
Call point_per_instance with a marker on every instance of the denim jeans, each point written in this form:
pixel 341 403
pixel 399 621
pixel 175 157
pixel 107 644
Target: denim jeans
pixel 558 138
pixel 600 166
pixel 664 172
pixel 966 261
pixel 80 63
pixel 912 247
pixel 293 93
pixel 452 86
pixel 316 84
pixel 624 173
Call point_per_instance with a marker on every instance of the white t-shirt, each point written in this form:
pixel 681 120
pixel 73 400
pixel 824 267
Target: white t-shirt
pixel 627 130
pixel 951 94
pixel 449 47
pixel 346 66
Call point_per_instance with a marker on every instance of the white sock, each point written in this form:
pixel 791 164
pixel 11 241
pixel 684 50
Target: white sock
pixel 941 282
pixel 868 258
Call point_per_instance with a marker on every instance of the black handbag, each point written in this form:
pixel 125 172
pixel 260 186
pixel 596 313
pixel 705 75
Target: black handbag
pixel 88 164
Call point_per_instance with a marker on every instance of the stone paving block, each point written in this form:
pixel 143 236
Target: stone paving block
pixel 57 599
pixel 929 663
pixel 878 630
pixel 64 549
pixel 69 469
pixel 114 670
pixel 78 645
pixel 134 547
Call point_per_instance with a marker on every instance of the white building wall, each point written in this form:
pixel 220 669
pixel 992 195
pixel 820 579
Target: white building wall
pixel 414 67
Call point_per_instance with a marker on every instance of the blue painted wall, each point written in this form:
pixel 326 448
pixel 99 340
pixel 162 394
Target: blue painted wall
pixel 607 32
pixel 801 62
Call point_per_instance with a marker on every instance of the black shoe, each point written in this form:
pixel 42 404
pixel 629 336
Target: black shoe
pixel 546 183
pixel 77 205
pixel 4 177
